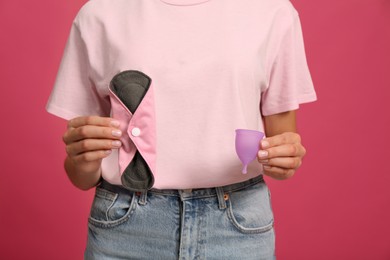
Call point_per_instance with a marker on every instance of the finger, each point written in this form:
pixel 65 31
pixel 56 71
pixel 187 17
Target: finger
pixel 283 162
pixel 278 173
pixel 285 138
pixel 91 132
pixel 88 145
pixel 91 156
pixel 286 150
pixel 93 120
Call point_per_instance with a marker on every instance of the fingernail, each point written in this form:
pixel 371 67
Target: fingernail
pixel 115 123
pixel 116 143
pixel 267 167
pixel 117 133
pixel 107 151
pixel 264 144
pixel 263 154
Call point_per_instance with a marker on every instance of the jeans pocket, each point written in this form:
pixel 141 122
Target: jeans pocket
pixel 110 209
pixel 250 210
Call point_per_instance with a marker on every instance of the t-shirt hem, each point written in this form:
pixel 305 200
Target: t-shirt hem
pixel 61 112
pixel 311 97
pixel 291 105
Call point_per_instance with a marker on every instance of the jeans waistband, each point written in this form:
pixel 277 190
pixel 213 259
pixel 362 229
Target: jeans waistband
pixel 190 193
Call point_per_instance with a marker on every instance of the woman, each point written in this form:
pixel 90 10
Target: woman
pixel 153 91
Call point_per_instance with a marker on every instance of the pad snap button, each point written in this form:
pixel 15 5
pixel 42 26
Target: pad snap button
pixel 135 131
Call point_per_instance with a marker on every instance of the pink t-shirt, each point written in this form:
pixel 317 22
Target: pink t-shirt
pixel 216 65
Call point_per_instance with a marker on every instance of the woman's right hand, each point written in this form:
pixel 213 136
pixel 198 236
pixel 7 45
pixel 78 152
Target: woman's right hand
pixel 88 140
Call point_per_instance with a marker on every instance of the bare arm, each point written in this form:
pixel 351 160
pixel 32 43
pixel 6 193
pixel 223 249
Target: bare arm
pixel 281 152
pixel 81 179
pixel 280 123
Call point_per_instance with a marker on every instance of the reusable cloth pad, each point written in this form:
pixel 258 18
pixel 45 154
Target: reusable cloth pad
pixel 131 87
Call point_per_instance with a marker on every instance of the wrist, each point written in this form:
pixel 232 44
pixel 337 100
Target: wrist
pixel 82 175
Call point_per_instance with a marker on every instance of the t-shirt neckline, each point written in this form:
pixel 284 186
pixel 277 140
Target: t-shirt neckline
pixel 184 2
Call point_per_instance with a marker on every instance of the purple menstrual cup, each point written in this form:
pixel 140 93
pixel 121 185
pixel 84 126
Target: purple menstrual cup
pixel 247 145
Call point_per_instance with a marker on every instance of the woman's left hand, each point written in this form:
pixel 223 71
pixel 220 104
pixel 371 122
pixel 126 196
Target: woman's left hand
pixel 281 155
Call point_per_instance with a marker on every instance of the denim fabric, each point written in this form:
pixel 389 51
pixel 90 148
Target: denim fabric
pixel 230 222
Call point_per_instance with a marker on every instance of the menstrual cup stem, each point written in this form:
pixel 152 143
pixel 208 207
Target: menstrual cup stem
pixel 247 146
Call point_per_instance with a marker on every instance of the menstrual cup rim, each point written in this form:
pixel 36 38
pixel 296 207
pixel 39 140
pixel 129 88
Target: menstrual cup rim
pixel 250 130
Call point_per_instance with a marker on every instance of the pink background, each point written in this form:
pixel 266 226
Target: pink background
pixel 336 207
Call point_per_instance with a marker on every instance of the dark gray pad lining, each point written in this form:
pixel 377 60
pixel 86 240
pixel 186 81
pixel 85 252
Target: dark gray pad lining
pixel 130 87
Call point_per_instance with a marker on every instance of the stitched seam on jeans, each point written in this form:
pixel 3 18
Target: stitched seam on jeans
pixel 109 224
pixel 109 207
pixel 248 230
pixel 244 185
pixel 105 194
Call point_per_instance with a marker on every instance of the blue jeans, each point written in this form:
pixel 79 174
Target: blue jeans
pixel 230 222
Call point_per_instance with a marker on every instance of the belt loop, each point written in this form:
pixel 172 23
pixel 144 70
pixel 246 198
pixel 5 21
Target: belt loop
pixel 143 196
pixel 221 197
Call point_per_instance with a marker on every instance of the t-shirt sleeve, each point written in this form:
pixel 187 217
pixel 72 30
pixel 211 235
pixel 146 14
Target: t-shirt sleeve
pixel 290 82
pixel 74 93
